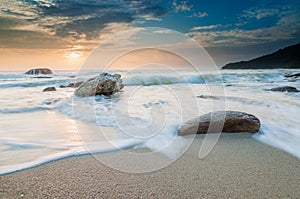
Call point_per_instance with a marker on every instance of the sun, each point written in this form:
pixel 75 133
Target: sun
pixel 74 55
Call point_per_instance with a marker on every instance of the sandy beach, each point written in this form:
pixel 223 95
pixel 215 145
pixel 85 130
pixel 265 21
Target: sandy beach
pixel 102 99
pixel 238 167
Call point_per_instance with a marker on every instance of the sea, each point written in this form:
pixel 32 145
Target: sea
pixel 38 127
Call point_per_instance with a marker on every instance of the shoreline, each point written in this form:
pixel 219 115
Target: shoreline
pixel 238 166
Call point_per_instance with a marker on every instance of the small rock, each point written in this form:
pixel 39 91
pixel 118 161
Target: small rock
pixel 38 71
pixel 207 97
pixel 75 85
pixel 284 89
pixel 232 121
pixel 42 77
pixel 49 89
pixel 104 84
pixel 72 85
pixel 296 75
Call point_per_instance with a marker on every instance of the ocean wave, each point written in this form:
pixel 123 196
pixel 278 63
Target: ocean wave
pixel 12 76
pixel 23 110
pixel 32 83
pixel 159 79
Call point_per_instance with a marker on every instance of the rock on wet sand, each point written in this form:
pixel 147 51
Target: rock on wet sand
pixel 225 121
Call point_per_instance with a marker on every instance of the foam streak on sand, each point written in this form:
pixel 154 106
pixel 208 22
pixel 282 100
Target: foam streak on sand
pixel 93 148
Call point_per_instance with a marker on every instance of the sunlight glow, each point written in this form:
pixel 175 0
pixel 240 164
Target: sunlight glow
pixel 74 55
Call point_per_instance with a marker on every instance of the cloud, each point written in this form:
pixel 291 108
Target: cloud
pixel 238 37
pixel 82 19
pixel 275 11
pixel 90 28
pixel 206 27
pixel 250 29
pixel 151 12
pixel 182 6
pixel 259 13
pixel 23 39
pixel 72 20
pixel 199 15
pixel 8 23
pixel 163 31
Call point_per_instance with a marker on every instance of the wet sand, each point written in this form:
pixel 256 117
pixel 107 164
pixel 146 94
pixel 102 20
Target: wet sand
pixel 238 167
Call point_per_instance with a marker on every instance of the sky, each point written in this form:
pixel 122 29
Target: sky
pixel 60 34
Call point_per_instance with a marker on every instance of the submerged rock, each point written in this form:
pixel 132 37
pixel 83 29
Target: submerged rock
pixel 284 89
pixel 232 121
pixel 38 71
pixel 49 89
pixel 104 84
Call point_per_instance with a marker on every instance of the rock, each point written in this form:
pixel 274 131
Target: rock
pixel 49 89
pixel 42 77
pixel 38 71
pixel 104 84
pixel 284 89
pixel 207 97
pixel 72 85
pixel 296 75
pixel 75 85
pixel 234 122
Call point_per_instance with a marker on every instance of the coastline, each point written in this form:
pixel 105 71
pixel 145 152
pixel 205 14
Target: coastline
pixel 238 166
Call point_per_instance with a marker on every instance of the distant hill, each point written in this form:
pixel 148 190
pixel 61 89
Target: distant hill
pixel 288 57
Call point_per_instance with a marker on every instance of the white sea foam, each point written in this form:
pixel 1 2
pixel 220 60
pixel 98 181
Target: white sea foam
pixel 146 114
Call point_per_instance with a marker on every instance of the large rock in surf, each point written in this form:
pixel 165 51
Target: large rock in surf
pixel 104 84
pixel 232 121
pixel 49 89
pixel 39 71
pixel 285 89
